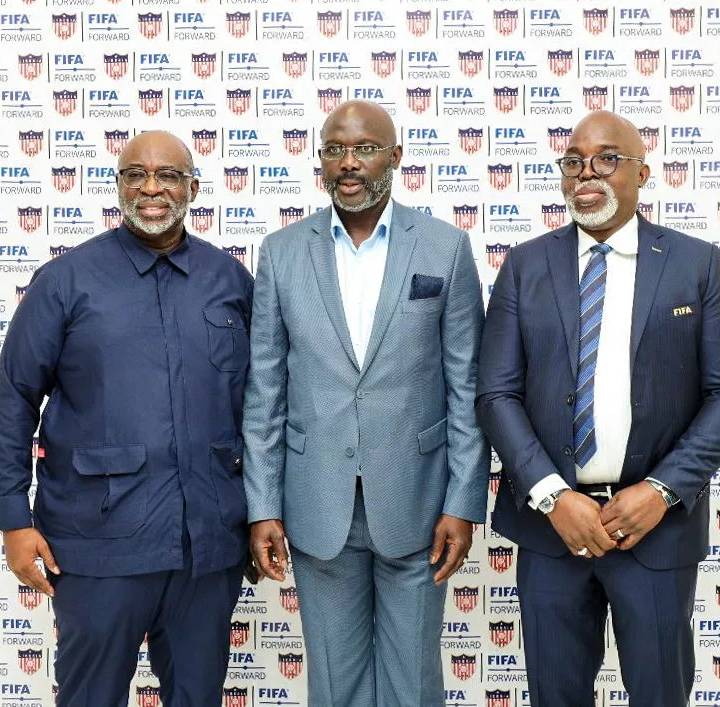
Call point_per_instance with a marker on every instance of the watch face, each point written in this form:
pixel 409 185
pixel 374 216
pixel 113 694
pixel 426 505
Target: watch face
pixel 546 505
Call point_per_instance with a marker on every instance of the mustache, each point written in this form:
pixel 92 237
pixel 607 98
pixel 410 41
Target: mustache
pixel 594 184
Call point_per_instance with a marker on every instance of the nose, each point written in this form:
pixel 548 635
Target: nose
pixel 349 162
pixel 151 186
pixel 587 171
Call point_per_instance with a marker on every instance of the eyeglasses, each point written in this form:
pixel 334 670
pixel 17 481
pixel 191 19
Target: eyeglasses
pixel 364 153
pixel 134 178
pixel 603 164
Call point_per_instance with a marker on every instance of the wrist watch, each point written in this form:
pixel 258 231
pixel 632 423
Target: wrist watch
pixel 670 497
pixel 547 505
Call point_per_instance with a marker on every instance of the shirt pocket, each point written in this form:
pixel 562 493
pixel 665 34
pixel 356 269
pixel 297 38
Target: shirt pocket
pixel 226 463
pixel 228 345
pixel 110 494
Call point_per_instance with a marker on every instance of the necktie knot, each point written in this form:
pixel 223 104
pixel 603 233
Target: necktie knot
pixel 603 248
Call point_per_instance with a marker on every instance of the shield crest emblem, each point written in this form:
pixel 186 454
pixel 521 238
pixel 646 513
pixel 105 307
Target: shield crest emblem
pixel 65 101
pixel 502 632
pixel 595 20
pixel 203 65
pixel 29 219
pixel 717 594
pixel 505 21
pixel 470 139
pixel 295 64
pixel 647 61
pixel 646 210
pixel 236 178
pixel 471 63
pixel 506 98
pixel 29 661
pixel 595 97
pixel 29 597
pixel 463 666
pixel 31 142
pixel 413 177
pixel 238 100
pixel 716 666
pixel 239 633
pixel 682 97
pixel 64 25
pixel 150 24
pixel 112 217
pixel 151 101
pixel 329 23
pixel 204 141
pixel 295 141
pixel 115 141
pixel 465 216
pixel 553 215
pixel 418 99
pixel 291 214
pixel 20 292
pixel 235 697
pixel 500 175
pixel 675 173
pixel 418 22
pixel 496 254
pixel 466 598
pixel 237 23
pixel 289 599
pixel 650 137
pixel 237 251
pixel 30 66
pixel 55 252
pixel 329 99
pixel 317 174
pixel 500 558
pixel 682 20
pixel 497 698
pixel 116 65
pixel 559 139
pixel 147 696
pixel 560 61
pixel 63 178
pixel 290 664
pixel 495 477
pixel 202 218
pixel 383 63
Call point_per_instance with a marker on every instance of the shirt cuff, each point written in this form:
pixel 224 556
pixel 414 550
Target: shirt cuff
pixel 544 487
pixel 15 512
pixel 675 497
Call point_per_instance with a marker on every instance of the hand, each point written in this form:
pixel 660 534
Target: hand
pixel 267 545
pixel 635 511
pixel 576 519
pixel 453 536
pixel 22 548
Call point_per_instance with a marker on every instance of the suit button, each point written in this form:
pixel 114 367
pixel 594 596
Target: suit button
pixel 349 452
pixel 237 461
pixel 571 399
pixel 229 321
pixel 567 451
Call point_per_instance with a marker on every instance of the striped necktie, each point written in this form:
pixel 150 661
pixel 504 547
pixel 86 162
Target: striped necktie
pixel 592 297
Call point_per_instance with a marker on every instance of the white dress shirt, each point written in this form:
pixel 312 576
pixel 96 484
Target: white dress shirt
pixel 360 275
pixel 612 410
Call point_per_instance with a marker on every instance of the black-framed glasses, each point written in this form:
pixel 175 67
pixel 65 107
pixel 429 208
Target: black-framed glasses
pixel 364 153
pixel 603 164
pixel 134 177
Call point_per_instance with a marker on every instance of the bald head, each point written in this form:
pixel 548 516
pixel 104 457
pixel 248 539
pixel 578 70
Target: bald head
pixel 372 115
pixel 626 136
pixel 158 142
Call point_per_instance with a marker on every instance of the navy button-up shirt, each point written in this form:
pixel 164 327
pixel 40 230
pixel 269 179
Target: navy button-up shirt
pixel 143 359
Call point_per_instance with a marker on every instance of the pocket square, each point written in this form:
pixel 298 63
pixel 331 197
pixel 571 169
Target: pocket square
pixel 682 311
pixel 424 286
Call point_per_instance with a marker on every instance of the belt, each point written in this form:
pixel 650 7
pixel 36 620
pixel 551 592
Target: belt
pixel 598 490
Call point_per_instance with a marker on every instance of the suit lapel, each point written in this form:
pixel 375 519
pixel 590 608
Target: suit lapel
pixel 322 253
pixel 562 254
pixel 400 248
pixel 652 254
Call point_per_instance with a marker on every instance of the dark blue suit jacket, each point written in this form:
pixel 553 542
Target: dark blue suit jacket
pixel 527 372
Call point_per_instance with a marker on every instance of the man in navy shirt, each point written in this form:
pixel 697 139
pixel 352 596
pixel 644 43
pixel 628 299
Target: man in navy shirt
pixel 139 338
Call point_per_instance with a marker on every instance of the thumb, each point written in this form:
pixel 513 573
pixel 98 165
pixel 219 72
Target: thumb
pixel 43 549
pixel 278 546
pixel 438 543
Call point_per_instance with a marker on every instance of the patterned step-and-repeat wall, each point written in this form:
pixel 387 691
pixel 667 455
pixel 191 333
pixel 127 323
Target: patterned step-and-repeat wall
pixel 484 95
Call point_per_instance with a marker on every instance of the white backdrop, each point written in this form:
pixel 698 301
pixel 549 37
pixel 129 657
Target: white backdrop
pixel 483 94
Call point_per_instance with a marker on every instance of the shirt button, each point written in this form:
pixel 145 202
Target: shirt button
pixel 349 452
pixel 571 399
pixel 237 461
pixel 229 321
pixel 567 451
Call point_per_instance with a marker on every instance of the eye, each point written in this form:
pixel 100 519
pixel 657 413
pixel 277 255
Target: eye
pixel 608 159
pixel 366 150
pixel 333 150
pixel 572 162
pixel 135 174
pixel 169 175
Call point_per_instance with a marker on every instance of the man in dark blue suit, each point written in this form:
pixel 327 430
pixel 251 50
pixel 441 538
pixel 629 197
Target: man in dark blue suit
pixel 600 390
pixel 139 340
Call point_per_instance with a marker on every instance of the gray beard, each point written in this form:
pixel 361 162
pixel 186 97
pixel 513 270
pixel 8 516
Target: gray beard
pixel 129 208
pixel 374 192
pixel 594 219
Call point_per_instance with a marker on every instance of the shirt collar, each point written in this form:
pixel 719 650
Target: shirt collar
pixel 144 258
pixel 624 240
pixel 382 227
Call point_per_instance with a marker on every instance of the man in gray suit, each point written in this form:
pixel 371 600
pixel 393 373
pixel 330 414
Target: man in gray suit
pixel 360 431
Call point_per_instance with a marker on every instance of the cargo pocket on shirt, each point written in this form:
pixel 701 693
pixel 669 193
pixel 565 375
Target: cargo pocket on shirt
pixel 226 460
pixel 228 345
pixel 110 493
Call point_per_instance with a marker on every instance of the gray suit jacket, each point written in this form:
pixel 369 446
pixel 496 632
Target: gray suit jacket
pixel 406 421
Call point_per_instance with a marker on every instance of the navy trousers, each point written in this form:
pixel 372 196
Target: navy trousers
pixel 564 603
pixel 101 624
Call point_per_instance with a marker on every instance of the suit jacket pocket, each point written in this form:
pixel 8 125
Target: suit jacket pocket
pixel 226 473
pixel 228 346
pixel 433 437
pixel 428 305
pixel 110 497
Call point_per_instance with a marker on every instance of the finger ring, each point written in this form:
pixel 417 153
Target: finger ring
pixel 619 534
pixel 582 552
